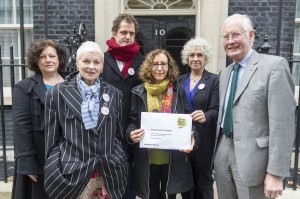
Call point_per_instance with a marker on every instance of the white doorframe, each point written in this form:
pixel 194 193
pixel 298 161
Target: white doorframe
pixel 209 18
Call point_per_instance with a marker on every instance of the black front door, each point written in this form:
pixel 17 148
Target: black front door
pixel 166 32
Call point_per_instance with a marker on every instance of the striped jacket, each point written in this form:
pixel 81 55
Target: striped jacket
pixel 72 153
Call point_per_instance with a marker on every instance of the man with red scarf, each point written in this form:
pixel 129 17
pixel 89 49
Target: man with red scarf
pixel 121 64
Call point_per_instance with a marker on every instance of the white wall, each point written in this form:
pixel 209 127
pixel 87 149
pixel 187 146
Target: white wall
pixel 212 15
pixel 105 13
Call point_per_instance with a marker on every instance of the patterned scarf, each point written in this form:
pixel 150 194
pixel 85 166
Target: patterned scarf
pixel 153 101
pixel 123 53
pixel 159 99
pixel 90 103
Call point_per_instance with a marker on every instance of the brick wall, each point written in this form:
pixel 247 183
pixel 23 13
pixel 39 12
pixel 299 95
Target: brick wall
pixel 62 14
pixel 264 14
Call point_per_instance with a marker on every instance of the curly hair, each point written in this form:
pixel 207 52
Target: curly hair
pixel 189 47
pixel 145 71
pixel 128 18
pixel 37 47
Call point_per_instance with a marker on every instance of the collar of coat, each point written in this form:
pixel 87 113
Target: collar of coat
pixel 73 99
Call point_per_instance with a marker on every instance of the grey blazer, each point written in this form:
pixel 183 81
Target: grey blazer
pixel 72 153
pixel 263 117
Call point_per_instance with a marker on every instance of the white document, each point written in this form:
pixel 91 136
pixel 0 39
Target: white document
pixel 166 130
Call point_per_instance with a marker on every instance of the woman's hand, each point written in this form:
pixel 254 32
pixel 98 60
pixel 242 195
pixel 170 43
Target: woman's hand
pixel 33 177
pixel 137 135
pixel 198 116
pixel 190 149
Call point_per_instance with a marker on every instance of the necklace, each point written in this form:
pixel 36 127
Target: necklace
pixel 195 80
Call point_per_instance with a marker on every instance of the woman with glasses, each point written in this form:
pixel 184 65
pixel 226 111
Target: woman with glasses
pixel 159 172
pixel 202 90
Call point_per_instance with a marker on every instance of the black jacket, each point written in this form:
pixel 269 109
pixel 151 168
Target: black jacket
pixel 28 129
pixel 207 100
pixel 111 74
pixel 180 171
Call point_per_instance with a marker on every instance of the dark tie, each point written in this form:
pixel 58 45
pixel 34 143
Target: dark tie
pixel 228 127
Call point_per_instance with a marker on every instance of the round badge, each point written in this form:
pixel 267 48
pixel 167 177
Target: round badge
pixel 201 86
pixel 106 97
pixel 104 110
pixel 131 71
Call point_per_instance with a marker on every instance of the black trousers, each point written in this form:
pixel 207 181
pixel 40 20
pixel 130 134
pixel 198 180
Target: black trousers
pixel 158 183
pixel 203 181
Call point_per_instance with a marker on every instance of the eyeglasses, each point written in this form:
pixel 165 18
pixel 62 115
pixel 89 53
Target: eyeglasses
pixel 233 36
pixel 162 65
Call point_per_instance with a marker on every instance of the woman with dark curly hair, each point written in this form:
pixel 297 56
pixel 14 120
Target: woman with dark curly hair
pixel 159 172
pixel 47 59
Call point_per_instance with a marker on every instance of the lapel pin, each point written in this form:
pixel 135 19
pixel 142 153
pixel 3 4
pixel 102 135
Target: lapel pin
pixel 131 71
pixel 104 110
pixel 201 86
pixel 106 97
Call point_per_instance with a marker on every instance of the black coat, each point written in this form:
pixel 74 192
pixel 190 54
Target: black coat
pixel 180 175
pixel 28 129
pixel 207 100
pixel 112 74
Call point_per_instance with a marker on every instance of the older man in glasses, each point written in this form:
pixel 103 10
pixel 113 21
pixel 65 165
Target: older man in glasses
pixel 256 123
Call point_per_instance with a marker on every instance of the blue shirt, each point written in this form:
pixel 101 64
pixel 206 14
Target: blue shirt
pixel 190 94
pixel 243 63
pixel 48 86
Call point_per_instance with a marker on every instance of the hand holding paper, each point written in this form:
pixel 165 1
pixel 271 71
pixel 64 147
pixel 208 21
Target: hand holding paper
pixel 137 135
pixel 190 149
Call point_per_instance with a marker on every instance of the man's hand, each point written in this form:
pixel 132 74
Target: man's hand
pixel 273 186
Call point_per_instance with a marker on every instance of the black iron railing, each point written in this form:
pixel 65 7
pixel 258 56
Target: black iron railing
pixel 11 73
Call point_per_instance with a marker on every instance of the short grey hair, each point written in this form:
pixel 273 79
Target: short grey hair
pixel 246 22
pixel 191 44
pixel 91 47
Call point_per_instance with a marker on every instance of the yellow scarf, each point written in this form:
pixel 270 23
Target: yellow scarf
pixel 158 101
pixel 154 92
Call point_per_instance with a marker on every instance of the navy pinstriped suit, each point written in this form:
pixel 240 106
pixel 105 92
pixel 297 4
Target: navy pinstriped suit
pixel 72 153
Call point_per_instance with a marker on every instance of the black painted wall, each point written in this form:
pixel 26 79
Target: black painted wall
pixel 62 14
pixel 264 14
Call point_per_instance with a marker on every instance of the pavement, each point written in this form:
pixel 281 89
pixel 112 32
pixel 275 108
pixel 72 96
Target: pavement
pixel 288 193
pixel 6 188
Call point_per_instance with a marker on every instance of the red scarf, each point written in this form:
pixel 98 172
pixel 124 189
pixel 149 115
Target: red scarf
pixel 123 53
pixel 166 103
